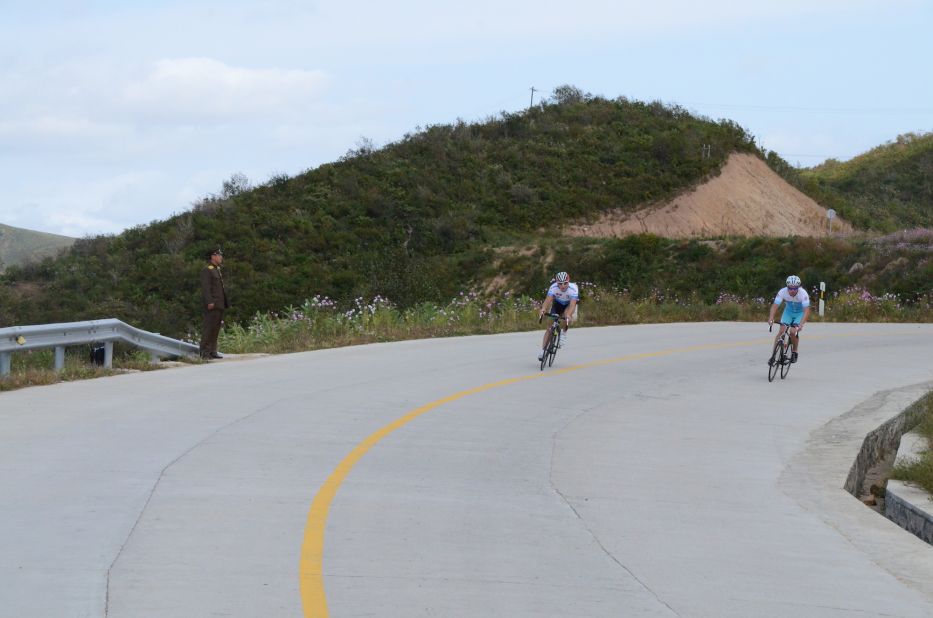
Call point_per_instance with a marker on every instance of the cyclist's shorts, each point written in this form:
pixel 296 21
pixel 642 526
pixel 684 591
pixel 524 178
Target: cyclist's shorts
pixel 559 308
pixel 791 316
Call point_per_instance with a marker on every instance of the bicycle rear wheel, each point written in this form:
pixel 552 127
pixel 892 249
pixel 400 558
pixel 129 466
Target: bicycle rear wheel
pixel 776 355
pixel 785 360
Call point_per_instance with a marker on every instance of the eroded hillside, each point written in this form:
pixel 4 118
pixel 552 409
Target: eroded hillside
pixel 746 199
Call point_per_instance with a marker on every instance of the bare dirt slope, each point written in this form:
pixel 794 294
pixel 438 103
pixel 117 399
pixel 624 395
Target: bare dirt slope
pixel 746 199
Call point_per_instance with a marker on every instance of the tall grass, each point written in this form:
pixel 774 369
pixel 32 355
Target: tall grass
pixel 321 323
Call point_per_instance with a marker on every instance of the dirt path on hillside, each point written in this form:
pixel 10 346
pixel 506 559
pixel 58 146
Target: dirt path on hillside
pixel 746 199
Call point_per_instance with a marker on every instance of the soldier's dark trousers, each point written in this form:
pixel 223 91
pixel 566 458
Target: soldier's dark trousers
pixel 212 320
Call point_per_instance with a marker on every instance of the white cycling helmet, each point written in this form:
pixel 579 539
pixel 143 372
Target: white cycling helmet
pixel 793 281
pixel 561 277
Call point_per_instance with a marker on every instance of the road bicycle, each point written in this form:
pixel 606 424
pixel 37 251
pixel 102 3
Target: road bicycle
pixel 782 353
pixel 552 340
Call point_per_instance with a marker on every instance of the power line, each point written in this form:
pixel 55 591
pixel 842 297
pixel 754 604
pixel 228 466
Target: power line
pixel 820 110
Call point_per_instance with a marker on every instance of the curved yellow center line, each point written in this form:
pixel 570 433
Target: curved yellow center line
pixel 311 563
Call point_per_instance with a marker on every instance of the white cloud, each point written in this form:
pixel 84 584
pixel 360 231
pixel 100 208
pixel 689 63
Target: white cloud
pixel 84 96
pixel 76 206
pixel 78 224
pixel 204 89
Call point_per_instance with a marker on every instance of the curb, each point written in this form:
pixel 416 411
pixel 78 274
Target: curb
pixel 818 477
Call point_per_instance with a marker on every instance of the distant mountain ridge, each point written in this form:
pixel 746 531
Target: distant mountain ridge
pixel 18 245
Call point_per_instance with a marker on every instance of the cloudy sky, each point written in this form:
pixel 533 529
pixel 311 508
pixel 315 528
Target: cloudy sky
pixel 117 113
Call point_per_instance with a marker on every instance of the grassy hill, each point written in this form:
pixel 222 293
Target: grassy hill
pixel 887 188
pixel 18 246
pixel 412 221
pixel 443 210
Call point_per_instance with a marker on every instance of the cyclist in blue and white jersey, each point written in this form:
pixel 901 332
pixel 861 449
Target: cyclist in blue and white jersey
pixel 563 296
pixel 796 311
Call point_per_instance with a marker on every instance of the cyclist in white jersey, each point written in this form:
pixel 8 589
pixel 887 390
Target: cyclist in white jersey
pixel 563 296
pixel 796 311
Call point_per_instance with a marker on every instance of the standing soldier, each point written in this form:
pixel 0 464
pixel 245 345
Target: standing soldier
pixel 215 302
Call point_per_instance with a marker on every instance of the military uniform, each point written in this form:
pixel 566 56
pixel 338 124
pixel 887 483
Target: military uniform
pixel 212 293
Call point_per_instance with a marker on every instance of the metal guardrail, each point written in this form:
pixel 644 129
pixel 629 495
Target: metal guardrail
pixel 60 336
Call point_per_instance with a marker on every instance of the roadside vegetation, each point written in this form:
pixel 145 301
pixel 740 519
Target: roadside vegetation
pixel 894 271
pixel 321 322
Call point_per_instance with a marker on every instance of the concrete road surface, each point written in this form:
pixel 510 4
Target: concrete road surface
pixel 653 471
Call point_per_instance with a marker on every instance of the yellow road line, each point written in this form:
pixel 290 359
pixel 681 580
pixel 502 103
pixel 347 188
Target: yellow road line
pixel 312 550
pixel 311 563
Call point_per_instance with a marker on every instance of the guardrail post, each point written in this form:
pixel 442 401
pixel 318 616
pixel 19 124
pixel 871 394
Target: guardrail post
pixel 108 354
pixel 5 358
pixel 154 358
pixel 59 357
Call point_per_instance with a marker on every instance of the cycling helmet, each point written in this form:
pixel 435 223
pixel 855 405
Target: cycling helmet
pixel 793 281
pixel 561 277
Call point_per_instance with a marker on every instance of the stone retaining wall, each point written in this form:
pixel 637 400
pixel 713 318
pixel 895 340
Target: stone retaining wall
pixel 884 439
pixel 907 505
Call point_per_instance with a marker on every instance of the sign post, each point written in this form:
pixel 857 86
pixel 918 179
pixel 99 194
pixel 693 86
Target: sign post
pixel 822 289
pixel 830 214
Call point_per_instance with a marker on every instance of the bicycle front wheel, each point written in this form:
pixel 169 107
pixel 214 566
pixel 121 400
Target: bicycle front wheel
pixel 552 348
pixel 785 361
pixel 776 355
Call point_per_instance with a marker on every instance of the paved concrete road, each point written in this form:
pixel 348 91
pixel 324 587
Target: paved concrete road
pixel 671 480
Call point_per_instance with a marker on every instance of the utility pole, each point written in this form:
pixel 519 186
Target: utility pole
pixel 530 105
